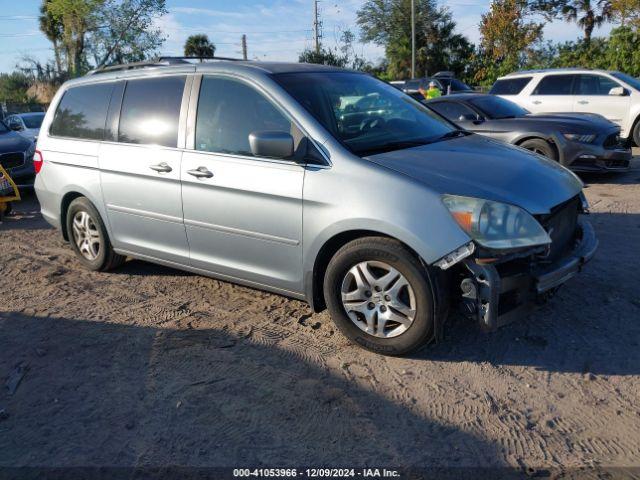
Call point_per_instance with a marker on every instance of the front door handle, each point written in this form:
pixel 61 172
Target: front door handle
pixel 200 172
pixel 536 102
pixel 583 102
pixel 161 167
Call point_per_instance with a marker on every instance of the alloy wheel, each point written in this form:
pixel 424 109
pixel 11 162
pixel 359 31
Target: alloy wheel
pixel 378 299
pixel 86 235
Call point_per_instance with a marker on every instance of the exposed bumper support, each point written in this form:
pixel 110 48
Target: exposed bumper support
pixel 496 300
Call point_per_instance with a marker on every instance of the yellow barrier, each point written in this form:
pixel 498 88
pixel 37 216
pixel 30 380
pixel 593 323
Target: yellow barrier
pixel 8 191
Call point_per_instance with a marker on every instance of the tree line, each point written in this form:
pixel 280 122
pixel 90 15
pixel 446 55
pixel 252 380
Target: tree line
pixel 87 34
pixel 511 38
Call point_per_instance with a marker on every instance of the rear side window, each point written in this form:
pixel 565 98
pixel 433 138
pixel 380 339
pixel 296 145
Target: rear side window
pixel 82 112
pixel 229 111
pixel 594 85
pixel 555 85
pixel 510 86
pixel 150 111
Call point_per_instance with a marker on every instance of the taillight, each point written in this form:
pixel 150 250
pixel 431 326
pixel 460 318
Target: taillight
pixel 37 161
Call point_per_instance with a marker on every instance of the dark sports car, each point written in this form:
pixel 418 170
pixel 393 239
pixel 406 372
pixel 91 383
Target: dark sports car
pixel 581 142
pixel 16 155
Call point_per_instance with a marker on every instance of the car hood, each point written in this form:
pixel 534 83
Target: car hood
pixel 476 166
pixel 13 142
pixel 576 122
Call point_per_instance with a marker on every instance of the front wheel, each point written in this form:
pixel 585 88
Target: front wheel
pixel 541 147
pixel 379 296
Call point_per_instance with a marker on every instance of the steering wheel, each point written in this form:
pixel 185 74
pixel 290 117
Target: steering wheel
pixel 371 123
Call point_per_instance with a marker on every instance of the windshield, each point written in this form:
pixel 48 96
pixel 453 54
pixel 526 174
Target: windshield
pixel 628 79
pixel 497 108
pixel 366 115
pixel 33 121
pixel 459 86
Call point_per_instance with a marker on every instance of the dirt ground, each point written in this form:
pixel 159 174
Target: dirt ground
pixel 148 366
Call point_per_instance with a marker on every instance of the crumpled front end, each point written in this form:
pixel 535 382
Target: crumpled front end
pixel 498 287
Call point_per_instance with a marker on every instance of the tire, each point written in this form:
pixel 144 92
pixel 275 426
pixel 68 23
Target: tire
pixel 541 147
pixel 636 133
pixel 95 252
pixel 393 301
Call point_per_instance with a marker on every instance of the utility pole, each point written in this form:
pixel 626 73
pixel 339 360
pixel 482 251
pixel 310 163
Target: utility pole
pixel 244 47
pixel 317 25
pixel 413 39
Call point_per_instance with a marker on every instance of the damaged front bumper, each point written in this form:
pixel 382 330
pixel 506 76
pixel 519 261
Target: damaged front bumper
pixel 498 293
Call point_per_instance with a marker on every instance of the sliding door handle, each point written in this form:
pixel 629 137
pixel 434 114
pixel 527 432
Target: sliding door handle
pixel 200 172
pixel 161 168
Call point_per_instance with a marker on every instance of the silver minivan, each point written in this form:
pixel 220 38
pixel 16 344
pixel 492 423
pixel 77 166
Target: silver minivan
pixel 317 183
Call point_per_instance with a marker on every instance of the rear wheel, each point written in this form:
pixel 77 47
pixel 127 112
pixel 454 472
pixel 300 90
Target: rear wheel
pixel 379 296
pixel 541 147
pixel 88 237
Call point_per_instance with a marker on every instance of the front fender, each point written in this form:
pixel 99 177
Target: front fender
pixel 376 200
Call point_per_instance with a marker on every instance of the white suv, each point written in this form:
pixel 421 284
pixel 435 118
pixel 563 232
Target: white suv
pixel 614 95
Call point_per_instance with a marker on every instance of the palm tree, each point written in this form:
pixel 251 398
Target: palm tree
pixel 53 29
pixel 587 14
pixel 199 46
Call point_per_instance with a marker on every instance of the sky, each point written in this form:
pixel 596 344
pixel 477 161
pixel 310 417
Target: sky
pixel 275 29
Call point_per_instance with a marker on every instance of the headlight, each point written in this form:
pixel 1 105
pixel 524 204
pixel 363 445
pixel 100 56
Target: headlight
pixel 496 225
pixel 578 137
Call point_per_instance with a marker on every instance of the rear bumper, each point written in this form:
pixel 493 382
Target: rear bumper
pixel 499 296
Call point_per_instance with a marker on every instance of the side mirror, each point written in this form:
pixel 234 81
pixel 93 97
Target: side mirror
pixel 271 144
pixel 618 92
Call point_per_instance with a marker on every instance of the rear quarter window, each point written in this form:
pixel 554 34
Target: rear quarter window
pixel 510 86
pixel 82 112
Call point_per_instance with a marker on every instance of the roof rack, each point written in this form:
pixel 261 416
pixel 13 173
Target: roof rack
pixel 546 70
pixel 159 62
pixel 186 59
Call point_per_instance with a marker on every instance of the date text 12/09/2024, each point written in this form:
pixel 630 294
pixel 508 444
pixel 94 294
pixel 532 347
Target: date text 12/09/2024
pixel 315 473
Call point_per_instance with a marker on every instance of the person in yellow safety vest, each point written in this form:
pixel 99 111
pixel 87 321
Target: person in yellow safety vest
pixel 433 92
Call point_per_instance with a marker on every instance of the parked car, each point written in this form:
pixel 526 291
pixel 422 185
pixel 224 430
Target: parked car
pixel 16 155
pixel 264 174
pixel 28 124
pixel 614 95
pixel 450 84
pixel 581 143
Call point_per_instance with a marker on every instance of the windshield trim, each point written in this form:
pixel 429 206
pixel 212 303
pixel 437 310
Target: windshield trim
pixel 473 104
